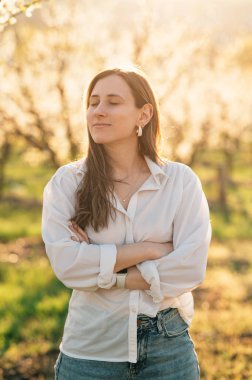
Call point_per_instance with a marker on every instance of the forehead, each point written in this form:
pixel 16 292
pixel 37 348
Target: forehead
pixel 112 84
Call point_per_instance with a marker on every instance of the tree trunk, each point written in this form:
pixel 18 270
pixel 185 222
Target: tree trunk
pixel 5 153
pixel 223 182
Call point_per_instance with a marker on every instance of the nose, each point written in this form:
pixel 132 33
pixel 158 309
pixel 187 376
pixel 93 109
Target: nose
pixel 100 109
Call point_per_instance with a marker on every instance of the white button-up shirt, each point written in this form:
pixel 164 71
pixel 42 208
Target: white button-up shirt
pixel 102 320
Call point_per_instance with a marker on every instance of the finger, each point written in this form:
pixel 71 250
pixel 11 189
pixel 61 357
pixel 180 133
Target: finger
pixel 78 228
pixel 75 230
pixel 78 236
pixel 74 238
pixel 81 232
pixel 83 239
pixel 86 240
pixel 85 236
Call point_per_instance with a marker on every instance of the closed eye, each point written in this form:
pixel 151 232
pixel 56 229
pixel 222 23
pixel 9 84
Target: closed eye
pixel 96 104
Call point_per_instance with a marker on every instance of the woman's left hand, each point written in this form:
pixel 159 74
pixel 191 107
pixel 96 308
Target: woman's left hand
pixel 79 234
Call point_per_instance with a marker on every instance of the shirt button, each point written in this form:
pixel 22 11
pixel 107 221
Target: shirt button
pixel 133 309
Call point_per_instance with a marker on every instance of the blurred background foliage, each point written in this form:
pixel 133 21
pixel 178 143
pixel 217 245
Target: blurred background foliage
pixel 198 57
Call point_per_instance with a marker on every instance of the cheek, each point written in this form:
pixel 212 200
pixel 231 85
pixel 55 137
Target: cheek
pixel 88 114
pixel 89 118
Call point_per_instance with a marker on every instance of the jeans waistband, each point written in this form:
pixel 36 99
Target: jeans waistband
pixel 145 320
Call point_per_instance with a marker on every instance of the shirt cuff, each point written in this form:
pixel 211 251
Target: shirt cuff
pixel 107 277
pixel 150 273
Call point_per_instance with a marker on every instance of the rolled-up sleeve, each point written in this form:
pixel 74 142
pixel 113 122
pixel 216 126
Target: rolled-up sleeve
pixel 184 269
pixel 79 266
pixel 150 274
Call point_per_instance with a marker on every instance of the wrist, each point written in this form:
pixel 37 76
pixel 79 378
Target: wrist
pixel 135 281
pixel 121 279
pixel 150 253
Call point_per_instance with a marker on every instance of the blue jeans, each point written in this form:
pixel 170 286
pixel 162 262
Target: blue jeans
pixel 165 352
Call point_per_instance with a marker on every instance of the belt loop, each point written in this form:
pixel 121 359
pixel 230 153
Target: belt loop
pixel 159 323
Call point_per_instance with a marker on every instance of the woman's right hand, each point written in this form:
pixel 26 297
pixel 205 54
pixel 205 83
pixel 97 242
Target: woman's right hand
pixel 79 234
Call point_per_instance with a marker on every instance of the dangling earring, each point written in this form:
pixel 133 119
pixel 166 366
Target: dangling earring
pixel 139 131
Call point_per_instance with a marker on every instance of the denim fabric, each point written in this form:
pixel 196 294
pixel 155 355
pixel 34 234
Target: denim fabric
pixel 165 352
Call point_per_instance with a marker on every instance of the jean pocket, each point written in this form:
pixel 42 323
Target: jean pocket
pixel 172 324
pixel 57 365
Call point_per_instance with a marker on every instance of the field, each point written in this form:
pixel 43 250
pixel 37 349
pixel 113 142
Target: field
pixel 33 303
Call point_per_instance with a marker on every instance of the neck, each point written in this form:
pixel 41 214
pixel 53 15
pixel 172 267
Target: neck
pixel 125 159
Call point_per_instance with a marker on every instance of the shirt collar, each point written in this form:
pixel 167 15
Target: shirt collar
pixel 80 166
pixel 156 170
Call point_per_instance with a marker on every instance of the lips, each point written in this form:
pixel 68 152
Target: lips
pixel 101 125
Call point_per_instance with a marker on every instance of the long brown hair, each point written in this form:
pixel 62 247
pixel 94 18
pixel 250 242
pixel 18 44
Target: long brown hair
pixel 94 195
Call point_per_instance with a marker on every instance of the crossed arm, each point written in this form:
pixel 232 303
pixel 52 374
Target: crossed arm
pixel 129 255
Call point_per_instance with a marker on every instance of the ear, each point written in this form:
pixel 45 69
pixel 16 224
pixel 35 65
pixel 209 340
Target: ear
pixel 146 114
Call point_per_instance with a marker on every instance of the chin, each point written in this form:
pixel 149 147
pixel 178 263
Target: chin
pixel 100 140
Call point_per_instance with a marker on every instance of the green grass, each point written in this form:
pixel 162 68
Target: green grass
pixel 236 226
pixel 236 221
pixel 33 302
pixel 24 179
pixel 20 213
pixel 222 323
pixel 19 221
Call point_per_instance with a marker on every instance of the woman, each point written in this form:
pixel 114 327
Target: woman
pixel 129 234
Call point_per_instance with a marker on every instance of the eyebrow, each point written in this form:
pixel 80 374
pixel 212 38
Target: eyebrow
pixel 109 95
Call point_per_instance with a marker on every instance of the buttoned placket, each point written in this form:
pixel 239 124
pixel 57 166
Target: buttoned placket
pixel 134 294
pixel 150 184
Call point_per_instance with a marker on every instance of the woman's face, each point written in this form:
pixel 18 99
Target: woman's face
pixel 112 115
